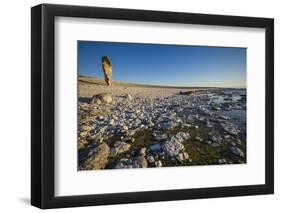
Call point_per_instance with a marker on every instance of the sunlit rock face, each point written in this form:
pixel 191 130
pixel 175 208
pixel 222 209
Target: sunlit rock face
pixel 107 70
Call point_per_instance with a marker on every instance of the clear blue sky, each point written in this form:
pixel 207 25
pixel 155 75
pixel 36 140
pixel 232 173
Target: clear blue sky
pixel 161 64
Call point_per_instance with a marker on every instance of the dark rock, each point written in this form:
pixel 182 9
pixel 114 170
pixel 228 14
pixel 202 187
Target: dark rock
pixel 236 151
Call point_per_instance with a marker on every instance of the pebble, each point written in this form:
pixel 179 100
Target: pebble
pixel 142 151
pixel 236 151
pixel 150 159
pixel 158 163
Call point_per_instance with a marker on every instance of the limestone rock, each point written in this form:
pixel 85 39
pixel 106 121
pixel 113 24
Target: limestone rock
pixel 140 162
pixel 97 158
pixel 102 97
pixel 124 163
pixel 172 147
pixel 119 147
pixel 236 151
pixel 107 70
pixel 230 128
pixel 158 163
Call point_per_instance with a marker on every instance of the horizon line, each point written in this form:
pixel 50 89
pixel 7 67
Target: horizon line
pixel 170 86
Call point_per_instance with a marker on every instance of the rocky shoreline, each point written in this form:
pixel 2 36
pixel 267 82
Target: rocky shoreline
pixel 137 127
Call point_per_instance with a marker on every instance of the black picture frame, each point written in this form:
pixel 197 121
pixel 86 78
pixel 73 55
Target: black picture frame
pixel 43 102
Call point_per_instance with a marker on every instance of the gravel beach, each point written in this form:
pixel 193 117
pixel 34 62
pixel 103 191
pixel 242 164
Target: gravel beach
pixel 140 126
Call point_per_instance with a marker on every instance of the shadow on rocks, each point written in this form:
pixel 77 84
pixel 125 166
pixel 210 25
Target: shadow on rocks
pixel 85 100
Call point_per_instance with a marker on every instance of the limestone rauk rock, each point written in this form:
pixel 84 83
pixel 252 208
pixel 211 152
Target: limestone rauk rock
pixel 97 158
pixel 107 70
pixel 102 98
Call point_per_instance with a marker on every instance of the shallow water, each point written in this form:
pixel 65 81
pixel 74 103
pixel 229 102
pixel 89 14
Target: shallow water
pixel 238 117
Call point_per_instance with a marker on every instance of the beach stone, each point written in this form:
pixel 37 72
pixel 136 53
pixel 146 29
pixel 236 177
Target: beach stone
pixel 83 134
pixel 172 147
pixel 222 161
pixel 182 157
pixel 129 97
pixel 142 151
pixel 150 159
pixel 208 142
pixel 198 139
pixel 97 158
pixel 111 122
pixel 236 151
pixel 158 163
pixel 155 147
pixel 140 162
pixel 103 98
pixel 216 138
pixel 118 148
pixel 230 128
pixel 124 163
pixel 107 70
pixel 85 128
pixel 182 136
pixel 161 137
pixel 224 117
pixel 125 128
pixel 167 125
pixel 96 101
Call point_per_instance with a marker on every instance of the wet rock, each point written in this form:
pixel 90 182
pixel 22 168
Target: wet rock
pixel 140 162
pixel 209 124
pixel 222 161
pixel 216 108
pixel 124 163
pixel 230 128
pixel 118 148
pixel 224 117
pixel 215 144
pixel 236 151
pixel 155 147
pixel 172 147
pixel 167 125
pixel 97 158
pixel 205 111
pixel 208 142
pixel 216 138
pixel 199 139
pixel 161 137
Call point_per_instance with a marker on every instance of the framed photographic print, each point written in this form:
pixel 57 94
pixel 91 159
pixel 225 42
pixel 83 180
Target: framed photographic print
pixel 140 106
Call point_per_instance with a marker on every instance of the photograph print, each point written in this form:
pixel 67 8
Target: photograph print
pixel 160 105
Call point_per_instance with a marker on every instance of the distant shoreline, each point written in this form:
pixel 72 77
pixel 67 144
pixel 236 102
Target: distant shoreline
pixel 97 81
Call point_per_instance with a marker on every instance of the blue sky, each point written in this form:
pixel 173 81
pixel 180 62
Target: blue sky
pixel 161 64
